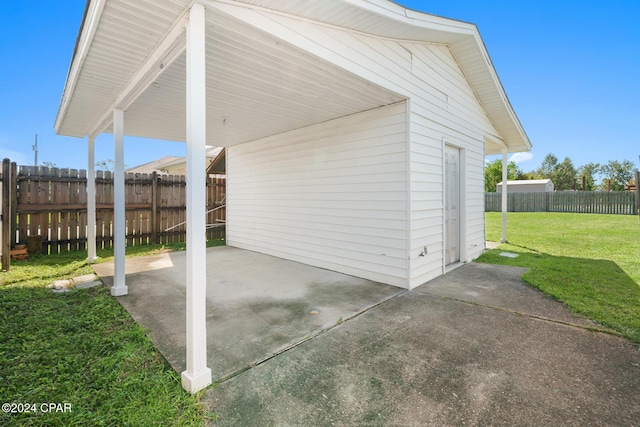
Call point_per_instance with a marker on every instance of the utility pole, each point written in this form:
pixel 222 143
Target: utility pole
pixel 35 149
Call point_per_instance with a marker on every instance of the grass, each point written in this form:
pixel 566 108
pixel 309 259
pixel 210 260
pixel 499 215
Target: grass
pixel 590 262
pixel 84 349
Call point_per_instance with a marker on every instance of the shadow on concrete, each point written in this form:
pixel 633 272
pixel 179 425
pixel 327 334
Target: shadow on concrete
pixel 596 288
pixel 257 305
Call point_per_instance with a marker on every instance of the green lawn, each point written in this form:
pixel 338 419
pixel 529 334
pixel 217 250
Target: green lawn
pixel 590 262
pixel 82 348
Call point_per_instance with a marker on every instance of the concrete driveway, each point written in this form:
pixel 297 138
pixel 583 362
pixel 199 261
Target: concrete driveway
pixel 475 347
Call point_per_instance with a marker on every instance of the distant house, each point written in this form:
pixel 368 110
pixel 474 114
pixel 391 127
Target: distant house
pixel 218 165
pixel 175 165
pixel 527 186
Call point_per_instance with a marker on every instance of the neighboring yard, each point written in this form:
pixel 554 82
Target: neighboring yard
pixel 590 262
pixel 82 348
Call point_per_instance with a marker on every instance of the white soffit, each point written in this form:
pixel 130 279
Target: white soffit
pixel 124 34
pixel 257 85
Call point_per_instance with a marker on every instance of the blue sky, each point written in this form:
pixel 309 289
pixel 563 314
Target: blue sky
pixel 571 73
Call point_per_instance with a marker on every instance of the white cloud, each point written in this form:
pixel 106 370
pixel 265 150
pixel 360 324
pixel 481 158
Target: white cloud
pixel 521 157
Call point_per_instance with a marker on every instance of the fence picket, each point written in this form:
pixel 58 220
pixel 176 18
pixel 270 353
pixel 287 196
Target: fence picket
pixel 619 202
pixel 52 203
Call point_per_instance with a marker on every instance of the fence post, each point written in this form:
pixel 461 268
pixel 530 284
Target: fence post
pixel 154 208
pixel 546 201
pixel 6 215
pixel 14 202
pixel 638 192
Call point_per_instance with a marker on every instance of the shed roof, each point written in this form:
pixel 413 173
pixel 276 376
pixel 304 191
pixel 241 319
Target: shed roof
pixel 155 165
pixel 163 163
pixel 526 182
pixel 130 55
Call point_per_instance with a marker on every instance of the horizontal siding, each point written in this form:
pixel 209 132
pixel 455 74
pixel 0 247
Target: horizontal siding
pixel 461 123
pixel 443 106
pixel 333 195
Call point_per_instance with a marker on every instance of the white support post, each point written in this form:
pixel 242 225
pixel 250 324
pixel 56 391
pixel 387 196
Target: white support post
pixel 119 287
pixel 197 375
pixel 91 202
pixel 504 195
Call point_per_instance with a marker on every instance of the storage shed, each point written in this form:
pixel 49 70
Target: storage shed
pixel 355 130
pixel 527 186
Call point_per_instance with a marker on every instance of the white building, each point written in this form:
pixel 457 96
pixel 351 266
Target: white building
pixel 355 130
pixel 527 186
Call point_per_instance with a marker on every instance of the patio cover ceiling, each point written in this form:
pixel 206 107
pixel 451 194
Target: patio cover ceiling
pixel 131 56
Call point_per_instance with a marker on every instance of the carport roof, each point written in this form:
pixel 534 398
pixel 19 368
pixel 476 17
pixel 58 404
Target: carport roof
pixel 131 56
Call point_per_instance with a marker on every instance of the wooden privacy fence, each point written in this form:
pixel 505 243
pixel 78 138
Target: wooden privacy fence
pixel 50 208
pixel 614 202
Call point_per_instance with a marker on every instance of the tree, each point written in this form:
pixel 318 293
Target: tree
pixel 562 175
pixel 493 174
pixel 49 165
pixel 548 166
pixel 107 165
pixel 588 171
pixel 617 173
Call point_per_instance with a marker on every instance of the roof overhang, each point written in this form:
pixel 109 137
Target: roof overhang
pixel 131 56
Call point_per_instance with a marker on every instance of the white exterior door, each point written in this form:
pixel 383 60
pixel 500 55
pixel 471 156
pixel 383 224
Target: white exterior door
pixel 452 204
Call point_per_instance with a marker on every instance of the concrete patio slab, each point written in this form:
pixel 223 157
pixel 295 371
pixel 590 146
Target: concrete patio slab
pixel 257 305
pixel 471 356
pixel 295 345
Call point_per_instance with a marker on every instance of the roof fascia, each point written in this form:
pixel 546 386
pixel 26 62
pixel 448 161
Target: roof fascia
pixel 90 22
pixel 503 94
pixel 391 10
